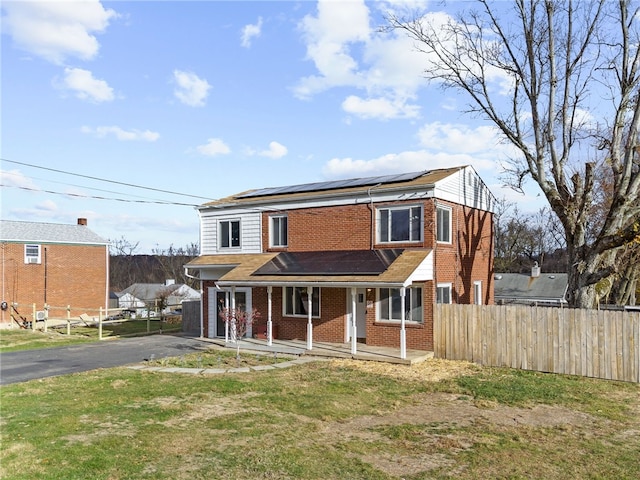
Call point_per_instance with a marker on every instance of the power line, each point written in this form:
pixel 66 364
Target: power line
pixel 103 180
pixel 159 202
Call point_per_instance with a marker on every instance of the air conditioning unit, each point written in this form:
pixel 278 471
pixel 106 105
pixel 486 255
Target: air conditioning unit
pixel 41 316
pixel 33 260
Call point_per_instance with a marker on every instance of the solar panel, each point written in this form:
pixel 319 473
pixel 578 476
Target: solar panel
pixel 334 184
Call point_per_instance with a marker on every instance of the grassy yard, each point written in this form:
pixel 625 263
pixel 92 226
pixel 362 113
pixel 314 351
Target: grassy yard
pixel 327 420
pixel 21 339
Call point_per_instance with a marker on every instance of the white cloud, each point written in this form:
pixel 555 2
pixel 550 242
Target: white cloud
pixel 213 147
pixel 56 30
pixel 121 134
pixel 249 32
pixel 190 90
pixel 85 86
pixel 15 178
pixel 382 108
pixel 276 150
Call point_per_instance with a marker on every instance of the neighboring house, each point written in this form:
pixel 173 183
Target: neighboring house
pixel 531 289
pixel 145 295
pixel 53 264
pixel 385 248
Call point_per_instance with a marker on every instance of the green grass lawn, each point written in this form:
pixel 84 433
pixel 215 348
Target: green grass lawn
pixel 324 420
pixel 22 339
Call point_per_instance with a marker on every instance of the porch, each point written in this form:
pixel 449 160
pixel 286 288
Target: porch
pixel 324 349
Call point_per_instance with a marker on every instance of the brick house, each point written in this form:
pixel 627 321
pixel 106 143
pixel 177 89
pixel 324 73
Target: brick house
pixel 308 256
pixel 54 264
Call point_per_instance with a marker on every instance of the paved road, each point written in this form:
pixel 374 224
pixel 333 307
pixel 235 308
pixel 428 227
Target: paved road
pixel 27 365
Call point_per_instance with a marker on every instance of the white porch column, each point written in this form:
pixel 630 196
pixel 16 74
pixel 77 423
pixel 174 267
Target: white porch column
pixel 310 314
pixel 226 324
pixel 354 332
pixel 269 322
pixel 403 332
pixel 234 336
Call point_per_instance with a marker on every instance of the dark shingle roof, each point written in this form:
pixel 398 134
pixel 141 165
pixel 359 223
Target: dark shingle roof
pixel 36 232
pixel 549 287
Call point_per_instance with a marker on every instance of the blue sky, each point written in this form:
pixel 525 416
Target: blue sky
pixel 211 98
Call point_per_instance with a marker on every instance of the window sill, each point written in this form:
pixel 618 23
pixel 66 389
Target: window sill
pixel 398 323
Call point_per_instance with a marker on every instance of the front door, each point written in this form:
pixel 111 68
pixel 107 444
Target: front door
pixel 361 313
pixel 217 299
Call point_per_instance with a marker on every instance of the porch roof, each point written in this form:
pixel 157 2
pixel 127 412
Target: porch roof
pixel 399 269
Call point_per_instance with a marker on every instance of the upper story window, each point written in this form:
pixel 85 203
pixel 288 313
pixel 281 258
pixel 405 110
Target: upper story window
pixel 278 231
pixel 296 302
pixel 229 233
pixel 400 224
pixel 31 253
pixel 391 304
pixel 443 223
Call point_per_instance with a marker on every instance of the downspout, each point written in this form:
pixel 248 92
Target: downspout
pixel 373 222
pixel 45 276
pixel 108 282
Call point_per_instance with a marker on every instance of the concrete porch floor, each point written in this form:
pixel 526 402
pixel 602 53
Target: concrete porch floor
pixel 323 349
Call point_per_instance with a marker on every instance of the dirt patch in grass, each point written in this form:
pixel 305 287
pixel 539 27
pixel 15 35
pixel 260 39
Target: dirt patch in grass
pixel 432 370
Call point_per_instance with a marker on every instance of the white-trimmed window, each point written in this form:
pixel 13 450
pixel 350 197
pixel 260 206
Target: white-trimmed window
pixel 400 224
pixel 229 233
pixel 296 302
pixel 32 253
pixel 443 293
pixel 477 292
pixel 278 230
pixel 443 224
pixel 390 304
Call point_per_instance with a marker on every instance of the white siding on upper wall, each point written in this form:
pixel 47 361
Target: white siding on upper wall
pixel 467 188
pixel 250 232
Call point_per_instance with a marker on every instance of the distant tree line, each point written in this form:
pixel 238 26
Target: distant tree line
pixel 127 267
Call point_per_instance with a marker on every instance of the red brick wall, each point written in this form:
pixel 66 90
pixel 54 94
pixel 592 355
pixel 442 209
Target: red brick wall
pixel 74 275
pixel 467 259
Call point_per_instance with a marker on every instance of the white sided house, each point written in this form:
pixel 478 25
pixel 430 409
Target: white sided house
pixel 358 260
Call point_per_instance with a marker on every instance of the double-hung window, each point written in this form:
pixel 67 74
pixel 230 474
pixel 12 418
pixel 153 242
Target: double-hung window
pixel 278 231
pixel 32 253
pixel 400 224
pixel 296 302
pixel 229 233
pixel 443 223
pixel 443 293
pixel 390 303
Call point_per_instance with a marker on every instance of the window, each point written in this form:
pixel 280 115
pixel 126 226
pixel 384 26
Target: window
pixel 443 223
pixel 391 304
pixel 229 231
pixel 278 233
pixel 32 254
pixel 400 224
pixel 443 293
pixel 477 292
pixel 296 302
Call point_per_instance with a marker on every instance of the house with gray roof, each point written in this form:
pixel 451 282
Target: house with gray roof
pixel 59 269
pixel 536 289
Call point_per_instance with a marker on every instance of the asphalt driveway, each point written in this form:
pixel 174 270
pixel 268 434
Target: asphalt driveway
pixel 27 365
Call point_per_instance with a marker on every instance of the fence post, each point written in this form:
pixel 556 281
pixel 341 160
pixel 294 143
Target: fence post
pixel 99 327
pixel 46 316
pixel 68 319
pixel 33 318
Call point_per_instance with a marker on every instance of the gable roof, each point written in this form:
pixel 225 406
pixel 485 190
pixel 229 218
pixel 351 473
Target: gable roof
pixel 520 287
pixel 36 232
pixel 353 186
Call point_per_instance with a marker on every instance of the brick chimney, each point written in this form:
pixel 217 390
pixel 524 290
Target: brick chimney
pixel 82 221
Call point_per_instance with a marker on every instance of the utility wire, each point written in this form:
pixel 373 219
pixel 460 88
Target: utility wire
pixel 103 180
pixel 159 202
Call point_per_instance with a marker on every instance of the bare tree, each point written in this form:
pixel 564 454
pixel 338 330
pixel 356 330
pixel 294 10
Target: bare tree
pixel 571 70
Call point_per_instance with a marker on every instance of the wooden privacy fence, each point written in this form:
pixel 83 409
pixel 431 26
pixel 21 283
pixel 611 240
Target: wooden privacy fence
pixel 590 343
